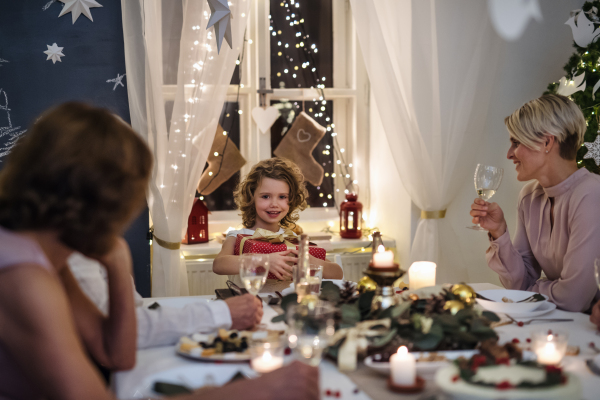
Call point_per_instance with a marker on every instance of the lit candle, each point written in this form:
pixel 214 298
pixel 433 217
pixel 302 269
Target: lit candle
pixel 266 362
pixel 421 274
pixel 549 349
pixel 404 367
pixel 383 258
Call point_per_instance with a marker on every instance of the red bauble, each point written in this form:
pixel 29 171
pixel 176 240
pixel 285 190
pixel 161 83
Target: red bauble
pixel 197 229
pixel 351 217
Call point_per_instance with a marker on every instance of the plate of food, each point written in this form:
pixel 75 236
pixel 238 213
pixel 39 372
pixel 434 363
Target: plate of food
pixel 225 346
pixel 510 301
pixel 428 362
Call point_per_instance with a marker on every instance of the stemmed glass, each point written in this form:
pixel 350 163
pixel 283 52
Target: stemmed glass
pixel 310 327
pixel 487 180
pixel 254 269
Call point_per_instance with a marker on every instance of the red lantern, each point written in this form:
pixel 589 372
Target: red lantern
pixel 197 229
pixel 351 217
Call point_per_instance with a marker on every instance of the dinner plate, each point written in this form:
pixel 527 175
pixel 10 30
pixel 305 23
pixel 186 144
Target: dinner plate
pixel 232 357
pixel 461 390
pixel 497 305
pixel 544 308
pixel 425 369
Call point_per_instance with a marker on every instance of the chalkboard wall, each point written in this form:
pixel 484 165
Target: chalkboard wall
pixel 29 83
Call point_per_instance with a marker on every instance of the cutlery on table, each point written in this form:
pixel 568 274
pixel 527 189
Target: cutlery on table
pixel 521 323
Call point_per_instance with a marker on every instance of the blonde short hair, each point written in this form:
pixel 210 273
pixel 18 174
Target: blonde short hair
pixel 551 114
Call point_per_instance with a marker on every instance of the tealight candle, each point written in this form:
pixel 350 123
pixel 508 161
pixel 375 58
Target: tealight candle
pixel 404 367
pixel 266 359
pixel 421 274
pixel 549 348
pixel 383 258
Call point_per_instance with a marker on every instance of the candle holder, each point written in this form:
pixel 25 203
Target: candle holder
pixel 549 347
pixel 416 388
pixel 385 295
pixel 266 356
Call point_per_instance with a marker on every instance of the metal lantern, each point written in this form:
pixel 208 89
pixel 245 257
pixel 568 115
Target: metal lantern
pixel 351 217
pixel 197 229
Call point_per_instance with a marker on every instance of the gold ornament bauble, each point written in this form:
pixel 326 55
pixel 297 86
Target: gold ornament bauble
pixel 454 306
pixel 465 293
pixel 413 296
pixel 366 284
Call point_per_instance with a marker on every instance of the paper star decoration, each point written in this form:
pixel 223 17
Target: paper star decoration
pixel 78 7
pixel 118 80
pixel 54 53
pixel 594 150
pixel 220 18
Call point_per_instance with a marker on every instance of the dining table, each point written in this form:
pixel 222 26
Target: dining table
pixel 363 383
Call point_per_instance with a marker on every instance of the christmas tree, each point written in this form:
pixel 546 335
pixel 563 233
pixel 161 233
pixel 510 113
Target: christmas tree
pixel 582 80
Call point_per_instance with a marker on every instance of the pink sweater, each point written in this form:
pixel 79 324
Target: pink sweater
pixel 16 249
pixel 565 252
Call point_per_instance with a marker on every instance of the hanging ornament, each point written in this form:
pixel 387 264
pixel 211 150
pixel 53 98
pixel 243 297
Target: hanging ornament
pixel 118 80
pixel 220 17
pixel 78 7
pixel 298 145
pixel 567 87
pixel 265 117
pixel 465 293
pixel 593 150
pixel 54 53
pixel 583 29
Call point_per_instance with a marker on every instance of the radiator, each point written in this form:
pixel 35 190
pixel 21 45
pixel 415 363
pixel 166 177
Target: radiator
pixel 202 280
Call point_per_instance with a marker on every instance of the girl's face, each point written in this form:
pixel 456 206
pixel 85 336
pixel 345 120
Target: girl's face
pixel 529 163
pixel 271 200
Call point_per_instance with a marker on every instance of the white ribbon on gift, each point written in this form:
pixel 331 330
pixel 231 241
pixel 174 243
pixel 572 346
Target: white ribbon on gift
pixel 356 340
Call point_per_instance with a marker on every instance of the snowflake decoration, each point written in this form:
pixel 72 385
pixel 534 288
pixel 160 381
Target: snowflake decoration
pixel 594 150
pixel 118 80
pixel 54 53
pixel 78 7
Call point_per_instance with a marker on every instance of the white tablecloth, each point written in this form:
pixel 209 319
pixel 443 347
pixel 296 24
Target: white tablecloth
pixel 129 384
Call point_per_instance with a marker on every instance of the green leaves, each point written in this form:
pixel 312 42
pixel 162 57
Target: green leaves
pixel 350 315
pixel 490 316
pixel 330 292
pixel 382 341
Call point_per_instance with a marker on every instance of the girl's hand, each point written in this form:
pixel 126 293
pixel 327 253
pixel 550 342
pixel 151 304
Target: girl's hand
pixel 489 216
pixel 278 264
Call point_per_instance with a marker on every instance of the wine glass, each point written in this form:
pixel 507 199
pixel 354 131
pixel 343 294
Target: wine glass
pixel 487 180
pixel 254 269
pixel 310 327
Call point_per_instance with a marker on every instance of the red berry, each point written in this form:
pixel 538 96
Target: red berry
pixel 287 351
pixel 337 394
pixel 515 340
pixel 455 378
pixel 549 331
pixel 592 345
pixel 528 340
pixel 520 323
pixel 328 392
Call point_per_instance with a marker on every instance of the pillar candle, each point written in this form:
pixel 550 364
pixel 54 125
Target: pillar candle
pixel 421 274
pixel 404 367
pixel 383 258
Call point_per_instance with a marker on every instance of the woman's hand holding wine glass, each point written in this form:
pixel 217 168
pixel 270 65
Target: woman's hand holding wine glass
pixel 489 216
pixel 487 180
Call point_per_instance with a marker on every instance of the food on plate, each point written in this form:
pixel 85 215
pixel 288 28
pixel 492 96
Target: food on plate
pixel 233 341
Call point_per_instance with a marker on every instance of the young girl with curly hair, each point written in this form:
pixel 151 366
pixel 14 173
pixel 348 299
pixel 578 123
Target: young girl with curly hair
pixel 270 197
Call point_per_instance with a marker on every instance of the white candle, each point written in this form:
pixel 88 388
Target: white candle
pixel 383 258
pixel 421 274
pixel 549 349
pixel 404 368
pixel 267 362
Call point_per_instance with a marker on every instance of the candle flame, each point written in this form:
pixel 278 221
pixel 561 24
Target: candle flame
pixel 381 249
pixel 267 356
pixel 402 350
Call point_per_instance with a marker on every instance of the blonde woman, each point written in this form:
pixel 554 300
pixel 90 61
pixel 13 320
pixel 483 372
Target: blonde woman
pixel 558 227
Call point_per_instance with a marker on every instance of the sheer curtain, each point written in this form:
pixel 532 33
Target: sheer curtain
pixel 431 65
pixel 180 141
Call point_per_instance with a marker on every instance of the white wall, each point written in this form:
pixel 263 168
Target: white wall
pixel 526 68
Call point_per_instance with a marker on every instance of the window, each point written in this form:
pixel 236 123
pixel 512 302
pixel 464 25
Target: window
pixel 329 27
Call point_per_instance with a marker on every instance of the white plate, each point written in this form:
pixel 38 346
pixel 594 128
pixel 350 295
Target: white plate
pixel 497 305
pixel 465 391
pixel 425 369
pixel 544 308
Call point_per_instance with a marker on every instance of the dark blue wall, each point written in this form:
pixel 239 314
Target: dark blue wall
pixel 93 54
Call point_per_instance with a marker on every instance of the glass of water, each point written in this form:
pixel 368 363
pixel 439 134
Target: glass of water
pixel 487 180
pixel 254 269
pixel 310 326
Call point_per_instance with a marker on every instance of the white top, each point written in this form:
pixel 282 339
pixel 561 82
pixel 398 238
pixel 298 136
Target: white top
pixel 159 327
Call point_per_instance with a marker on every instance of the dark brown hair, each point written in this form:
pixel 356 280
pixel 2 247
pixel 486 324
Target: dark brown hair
pixel 80 171
pixel 280 169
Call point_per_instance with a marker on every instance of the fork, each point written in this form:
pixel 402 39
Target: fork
pixel 521 323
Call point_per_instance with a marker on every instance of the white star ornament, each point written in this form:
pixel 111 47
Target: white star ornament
pixel 78 7
pixel 54 53
pixel 220 18
pixel 593 150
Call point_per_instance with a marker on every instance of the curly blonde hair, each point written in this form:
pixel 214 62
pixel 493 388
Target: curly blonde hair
pixel 280 169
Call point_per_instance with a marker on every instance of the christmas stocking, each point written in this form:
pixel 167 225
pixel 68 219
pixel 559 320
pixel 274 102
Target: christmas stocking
pixel 298 145
pixel 232 163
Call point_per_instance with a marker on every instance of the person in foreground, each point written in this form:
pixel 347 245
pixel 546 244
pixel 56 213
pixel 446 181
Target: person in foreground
pixel 270 197
pixel 558 211
pixel 73 184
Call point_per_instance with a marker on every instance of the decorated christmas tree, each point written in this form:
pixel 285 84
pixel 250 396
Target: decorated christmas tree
pixel 582 80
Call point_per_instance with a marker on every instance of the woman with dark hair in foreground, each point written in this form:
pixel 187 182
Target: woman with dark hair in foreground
pixel 73 184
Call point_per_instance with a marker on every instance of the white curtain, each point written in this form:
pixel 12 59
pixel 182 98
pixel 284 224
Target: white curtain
pixel 179 141
pixel 431 65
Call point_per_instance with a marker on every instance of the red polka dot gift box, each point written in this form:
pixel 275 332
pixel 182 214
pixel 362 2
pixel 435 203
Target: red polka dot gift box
pixel 260 246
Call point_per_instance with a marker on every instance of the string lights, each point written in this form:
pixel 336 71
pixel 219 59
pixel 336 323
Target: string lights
pixel 307 66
